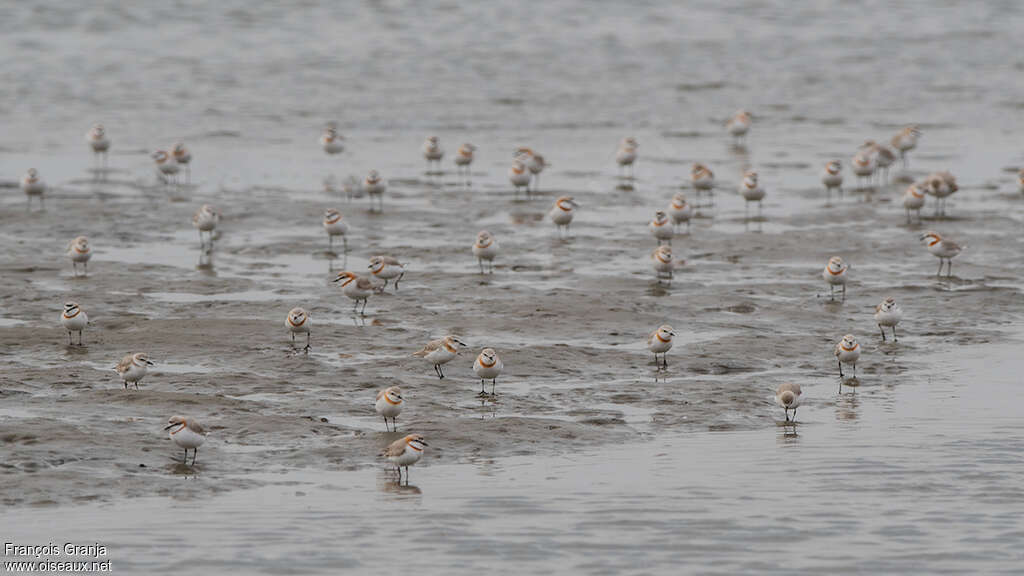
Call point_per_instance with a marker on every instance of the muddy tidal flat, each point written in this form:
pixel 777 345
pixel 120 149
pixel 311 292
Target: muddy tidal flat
pixel 589 458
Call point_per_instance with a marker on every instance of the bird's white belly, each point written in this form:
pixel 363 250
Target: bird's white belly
pixel 186 438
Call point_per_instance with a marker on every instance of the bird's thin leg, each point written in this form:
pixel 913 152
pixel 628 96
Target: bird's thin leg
pixel 939 273
pixel 949 267
pixel 840 368
pixel 844 292
pixel 69 337
pixel 794 414
pixel 787 414
pixel 309 335
pixel 293 339
pixel 365 302
pixel 79 337
pixel 882 330
pixel 481 262
pixel 440 370
pixel 185 459
pixel 894 334
pixel 195 454
pixel 494 381
pixel 481 386
pixel 437 371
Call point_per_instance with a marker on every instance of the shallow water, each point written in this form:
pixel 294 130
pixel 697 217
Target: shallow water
pixel 589 459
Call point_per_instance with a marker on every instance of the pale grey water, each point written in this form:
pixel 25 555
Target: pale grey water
pixel 916 470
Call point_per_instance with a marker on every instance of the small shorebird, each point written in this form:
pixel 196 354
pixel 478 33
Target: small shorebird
pixel 941 185
pixel 433 152
pixel 485 248
pixel 626 156
pixel 487 367
pixel 888 313
pixel 660 228
pixel 534 162
pixel 331 141
pixel 660 342
pixel 440 351
pixel 847 352
pixel 73 319
pixel 80 252
pixel 832 178
pixel 99 142
pixel 661 259
pixel 680 210
pixel 166 167
pixel 33 186
pixel 906 141
pixel 405 452
pixel 519 176
pixel 787 395
pixel 703 180
pixel 183 157
pixel 562 212
pixel 943 249
pixel 133 368
pixel 389 405
pixel 358 288
pixel 464 157
pixel 375 186
pixel 205 220
pixel 751 192
pixel 739 125
pixel 335 226
pixel 387 268
pixel 863 165
pixel 835 275
pixel 884 158
pixel 913 200
pixel 187 434
pixel 297 322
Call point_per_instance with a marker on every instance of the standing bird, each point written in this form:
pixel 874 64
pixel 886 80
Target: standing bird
pixel 660 228
pixel 184 158
pixel 863 165
pixel 832 178
pixel 884 158
pixel 739 125
pixel 680 210
pixel 626 156
pixel 387 268
pixel 358 288
pixel 73 319
pixel 331 141
pixel 187 434
pixel 485 248
pixel 98 142
pixel 375 186
pixel 80 252
pixel 335 226
pixel 905 141
pixel 562 213
pixel 787 395
pixel 535 163
pixel 133 368
pixel 664 266
pixel 703 180
pixel 433 153
pixel 943 249
pixel 660 342
pixel 847 352
pixel 487 367
pixel 205 220
pixel 519 176
pixel 888 313
pixel 751 192
pixel 941 185
pixel 440 351
pixel 33 186
pixel 405 452
pixel 464 157
pixel 166 167
pixel 298 322
pixel 913 200
pixel 835 275
pixel 389 405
